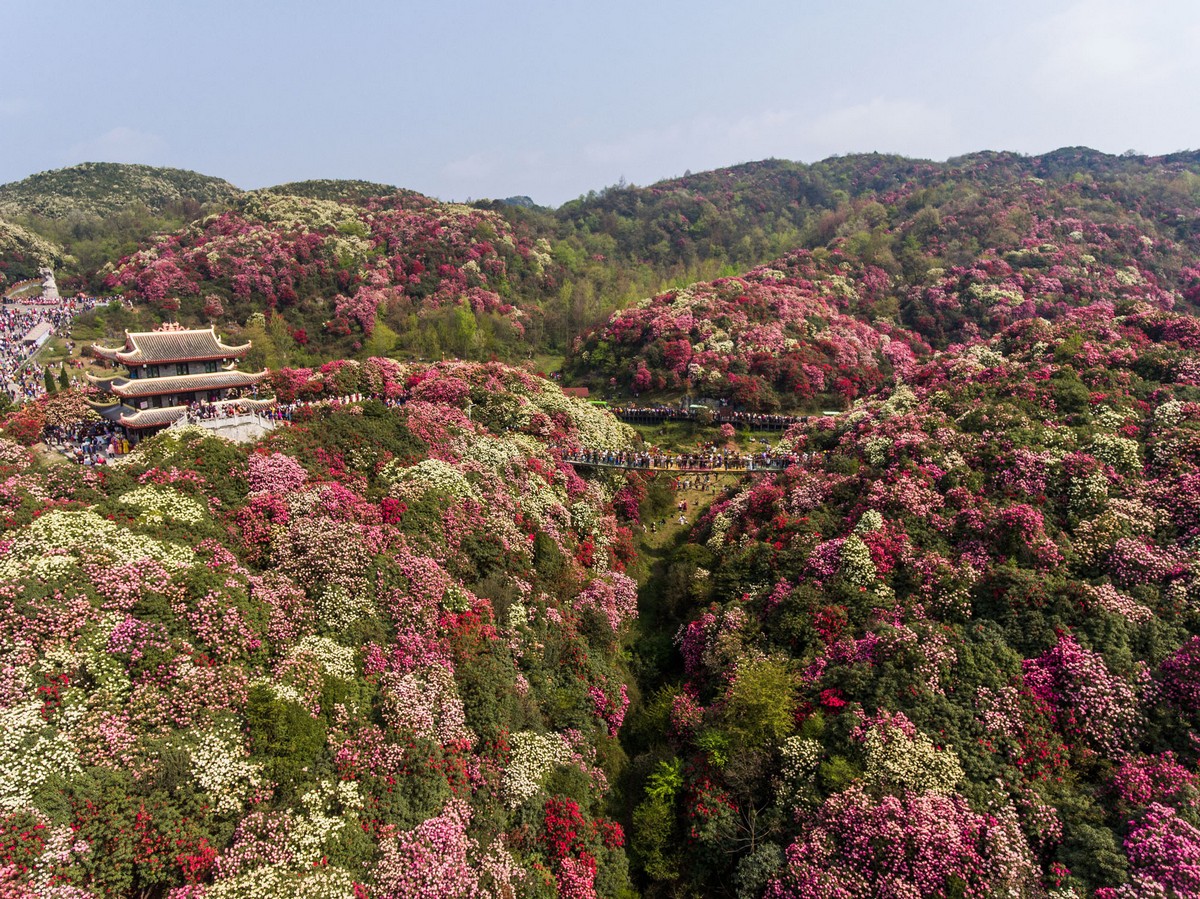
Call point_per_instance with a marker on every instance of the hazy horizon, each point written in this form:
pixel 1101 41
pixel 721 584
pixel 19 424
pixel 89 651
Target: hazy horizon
pixel 553 100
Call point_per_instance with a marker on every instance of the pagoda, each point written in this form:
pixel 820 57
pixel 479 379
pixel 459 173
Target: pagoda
pixel 171 368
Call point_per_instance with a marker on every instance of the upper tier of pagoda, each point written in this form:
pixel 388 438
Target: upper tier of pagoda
pixel 171 344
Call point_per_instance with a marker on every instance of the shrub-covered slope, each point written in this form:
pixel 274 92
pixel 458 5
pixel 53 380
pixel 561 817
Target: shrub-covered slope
pixel 23 253
pixel 336 271
pixel 954 652
pixel 944 259
pixel 747 214
pixel 789 332
pixel 334 189
pixel 376 655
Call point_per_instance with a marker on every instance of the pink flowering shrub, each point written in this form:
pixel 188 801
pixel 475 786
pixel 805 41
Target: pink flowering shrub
pixel 276 473
pixel 1089 700
pixel 613 596
pixel 431 861
pixel 749 338
pixel 909 845
pixel 1164 853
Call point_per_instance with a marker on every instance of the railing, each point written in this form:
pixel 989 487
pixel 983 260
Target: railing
pixel 223 420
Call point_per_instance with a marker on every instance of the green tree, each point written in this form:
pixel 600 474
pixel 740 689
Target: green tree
pixel 51 386
pixel 64 381
pixel 465 327
pixel 761 702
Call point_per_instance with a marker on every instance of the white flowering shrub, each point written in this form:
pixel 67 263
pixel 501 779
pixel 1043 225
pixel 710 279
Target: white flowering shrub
pixel 281 880
pixel 427 476
pixel 339 607
pixel 799 759
pixel 335 660
pixel 534 756
pixel 221 767
pixel 493 452
pixel 324 815
pixel 1169 415
pixel 856 562
pixel 871 520
pixel 897 761
pixel 1109 419
pixel 52 540
pixel 1088 494
pixel 876 450
pixel 30 751
pixel 1119 452
pixel 159 504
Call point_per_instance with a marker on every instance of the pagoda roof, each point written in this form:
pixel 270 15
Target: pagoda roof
pixel 173 345
pixel 152 418
pixel 217 380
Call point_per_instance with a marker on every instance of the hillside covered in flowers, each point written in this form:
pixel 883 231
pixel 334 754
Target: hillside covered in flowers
pixel 954 651
pixel 940 256
pixel 336 271
pixel 377 654
pixel 949 646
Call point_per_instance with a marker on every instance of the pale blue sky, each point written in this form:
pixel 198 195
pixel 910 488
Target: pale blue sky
pixel 465 98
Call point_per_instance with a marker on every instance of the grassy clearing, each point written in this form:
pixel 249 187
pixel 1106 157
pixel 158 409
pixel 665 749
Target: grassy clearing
pixel 24 293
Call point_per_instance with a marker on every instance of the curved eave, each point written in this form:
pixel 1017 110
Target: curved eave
pixel 141 388
pixel 104 352
pixel 256 405
pixel 152 418
pixel 136 359
pixel 100 406
pixel 103 383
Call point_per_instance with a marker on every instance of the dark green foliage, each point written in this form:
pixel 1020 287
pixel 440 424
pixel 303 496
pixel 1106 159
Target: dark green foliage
pixel 285 737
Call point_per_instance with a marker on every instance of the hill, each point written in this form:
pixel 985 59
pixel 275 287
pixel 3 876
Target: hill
pixel 397 271
pixel 338 190
pixel 102 189
pixel 22 253
pixel 97 212
pixel 945 648
pixel 804 330
pixel 951 254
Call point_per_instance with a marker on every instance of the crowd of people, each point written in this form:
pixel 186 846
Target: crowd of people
pixel 88 443
pixel 224 409
pixel 23 378
pixel 705 460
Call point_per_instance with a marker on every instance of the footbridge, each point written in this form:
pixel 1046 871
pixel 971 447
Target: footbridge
pixel 687 463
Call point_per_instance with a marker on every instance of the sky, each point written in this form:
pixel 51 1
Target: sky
pixel 466 99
